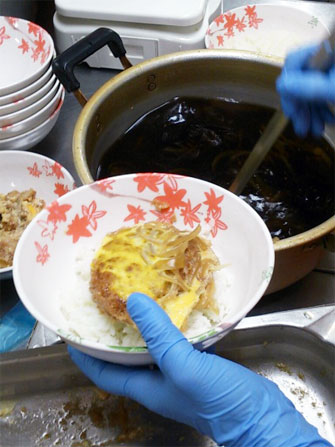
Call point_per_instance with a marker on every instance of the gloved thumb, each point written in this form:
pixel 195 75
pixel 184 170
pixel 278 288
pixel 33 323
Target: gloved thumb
pixel 167 345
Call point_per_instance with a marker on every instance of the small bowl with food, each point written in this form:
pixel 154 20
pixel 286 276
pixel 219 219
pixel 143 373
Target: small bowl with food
pixel 198 250
pixel 28 183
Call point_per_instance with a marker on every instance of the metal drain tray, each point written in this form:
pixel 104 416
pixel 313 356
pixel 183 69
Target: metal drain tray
pixel 45 400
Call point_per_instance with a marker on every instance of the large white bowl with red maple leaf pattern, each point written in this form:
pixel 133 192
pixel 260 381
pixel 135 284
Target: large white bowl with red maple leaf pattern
pixel 24 170
pixel 270 30
pixel 26 50
pixel 80 219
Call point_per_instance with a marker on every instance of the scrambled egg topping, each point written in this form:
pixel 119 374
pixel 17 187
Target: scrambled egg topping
pixel 133 263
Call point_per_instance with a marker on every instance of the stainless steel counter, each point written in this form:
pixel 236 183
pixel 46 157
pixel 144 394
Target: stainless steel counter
pixel 48 401
pixel 315 289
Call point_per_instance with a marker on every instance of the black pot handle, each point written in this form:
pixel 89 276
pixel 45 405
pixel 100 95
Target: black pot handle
pixel 64 64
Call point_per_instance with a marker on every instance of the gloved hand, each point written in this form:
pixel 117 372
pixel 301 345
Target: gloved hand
pixel 15 328
pixel 219 398
pixel 306 93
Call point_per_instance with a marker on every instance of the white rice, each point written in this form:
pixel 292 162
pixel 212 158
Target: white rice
pixel 84 319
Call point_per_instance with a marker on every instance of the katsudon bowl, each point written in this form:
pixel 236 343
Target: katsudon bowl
pixel 23 171
pixel 60 261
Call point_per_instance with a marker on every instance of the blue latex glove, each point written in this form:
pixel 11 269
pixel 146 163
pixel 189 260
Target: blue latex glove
pixel 306 93
pixel 221 399
pixel 15 327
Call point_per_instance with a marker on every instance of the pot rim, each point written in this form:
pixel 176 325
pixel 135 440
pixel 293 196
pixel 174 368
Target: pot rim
pixel 93 103
pixel 309 236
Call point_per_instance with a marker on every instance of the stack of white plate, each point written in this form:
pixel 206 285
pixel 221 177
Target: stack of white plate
pixel 30 94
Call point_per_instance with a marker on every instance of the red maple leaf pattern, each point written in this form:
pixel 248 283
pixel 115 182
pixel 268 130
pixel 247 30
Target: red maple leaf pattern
pixel 250 11
pixel 220 40
pixel 254 22
pixel 232 24
pixel 3 35
pixel 57 213
pixel 105 184
pixel 240 25
pixel 61 189
pixel 24 46
pixel 171 179
pixel 57 170
pixel 91 214
pixel 57 108
pixel 40 43
pixel 173 197
pixel 47 168
pixel 164 216
pixel 45 55
pixel 219 20
pixel 230 33
pixel 215 223
pixel 39 48
pixel 212 201
pixel 34 171
pixel 136 213
pixel 17 99
pixel 35 55
pixel 230 21
pixel 189 214
pixel 33 29
pixel 147 180
pixel 43 254
pixel 12 20
pixel 48 228
pixel 78 228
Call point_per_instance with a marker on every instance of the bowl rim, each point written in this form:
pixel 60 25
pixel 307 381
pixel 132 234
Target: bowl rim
pixel 30 89
pixel 121 79
pixel 34 156
pixel 30 98
pixel 49 95
pixel 36 129
pixel 309 236
pixel 53 101
pixel 287 8
pixel 140 350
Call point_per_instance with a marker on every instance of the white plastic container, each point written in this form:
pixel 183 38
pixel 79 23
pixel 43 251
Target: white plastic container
pixel 147 28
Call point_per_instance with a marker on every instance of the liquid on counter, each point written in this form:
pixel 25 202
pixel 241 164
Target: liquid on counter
pixel 292 190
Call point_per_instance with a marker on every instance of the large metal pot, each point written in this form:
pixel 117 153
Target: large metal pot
pixel 199 73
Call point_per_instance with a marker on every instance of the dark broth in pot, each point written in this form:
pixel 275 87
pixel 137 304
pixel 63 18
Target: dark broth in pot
pixel 293 189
